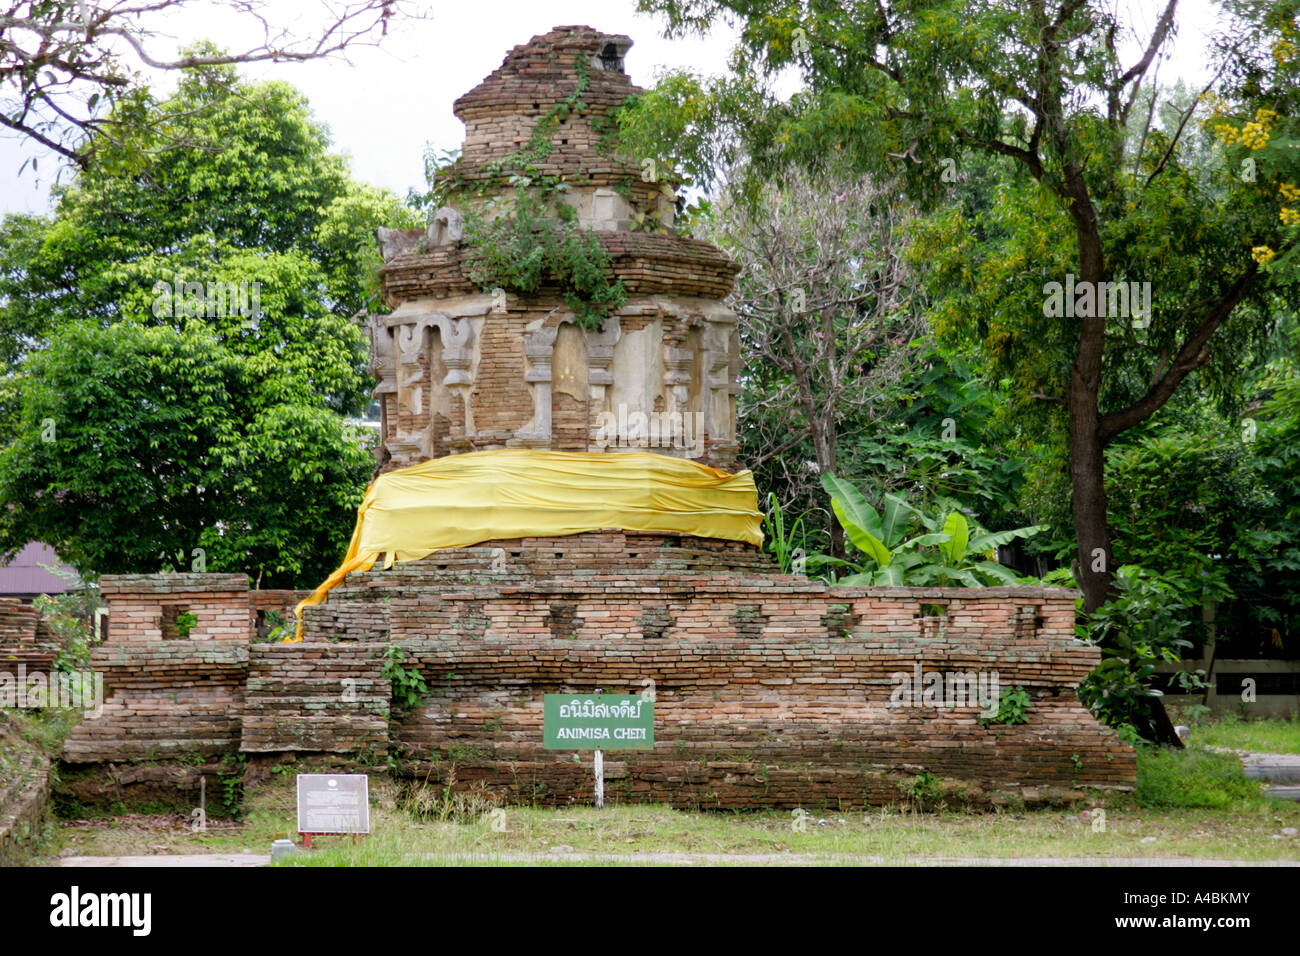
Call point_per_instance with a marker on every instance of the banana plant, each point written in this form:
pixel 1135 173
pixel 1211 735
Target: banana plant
pixel 971 560
pixel 881 537
pixel 946 553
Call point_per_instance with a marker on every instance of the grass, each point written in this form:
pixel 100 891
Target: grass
pixel 1197 804
pixel 1273 736
pixel 430 829
pixel 1169 779
pixel 45 728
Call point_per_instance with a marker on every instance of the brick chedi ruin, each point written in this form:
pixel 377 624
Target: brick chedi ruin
pixel 559 510
pixel 462 369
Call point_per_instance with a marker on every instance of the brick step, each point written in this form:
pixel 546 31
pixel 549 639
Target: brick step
pixel 88 751
pixel 327 734
pixel 190 729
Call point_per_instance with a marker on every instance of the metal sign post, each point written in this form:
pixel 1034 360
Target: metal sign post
pixel 598 768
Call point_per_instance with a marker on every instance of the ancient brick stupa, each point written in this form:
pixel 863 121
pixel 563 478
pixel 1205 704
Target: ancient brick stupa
pixel 554 517
pixel 770 689
pixel 465 368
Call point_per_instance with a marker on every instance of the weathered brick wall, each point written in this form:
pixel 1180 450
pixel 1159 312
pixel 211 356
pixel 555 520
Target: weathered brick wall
pixel 163 698
pixel 24 794
pixel 358 610
pixel 502 112
pixel 649 265
pixel 143 607
pixel 166 697
pixel 24 646
pixel 770 691
pixel 502 401
pixel 281 602
pixel 322 698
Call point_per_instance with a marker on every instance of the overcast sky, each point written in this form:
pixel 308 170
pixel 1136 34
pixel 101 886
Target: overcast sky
pixel 383 104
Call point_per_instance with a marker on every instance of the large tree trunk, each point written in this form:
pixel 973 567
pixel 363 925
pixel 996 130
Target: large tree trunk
pixel 1088 484
pixel 1087 459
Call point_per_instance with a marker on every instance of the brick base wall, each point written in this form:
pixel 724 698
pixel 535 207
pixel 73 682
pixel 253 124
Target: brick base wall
pixel 216 692
pixel 320 698
pixel 24 795
pixel 24 647
pixel 770 690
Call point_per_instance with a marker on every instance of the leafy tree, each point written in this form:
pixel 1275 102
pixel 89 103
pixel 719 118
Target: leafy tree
pixel 1277 459
pixel 1143 627
pixel 272 186
pixel 1092 188
pixel 943 441
pixel 823 310
pixel 187 354
pixel 138 443
pixel 67 66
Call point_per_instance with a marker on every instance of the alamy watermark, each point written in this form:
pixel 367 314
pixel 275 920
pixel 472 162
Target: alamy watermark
pixel 129 910
pixel 946 689
pixel 1104 299
pixel 82 690
pixel 181 299
pixel 625 429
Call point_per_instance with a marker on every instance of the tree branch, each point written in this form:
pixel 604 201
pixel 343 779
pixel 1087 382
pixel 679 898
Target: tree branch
pixel 1191 356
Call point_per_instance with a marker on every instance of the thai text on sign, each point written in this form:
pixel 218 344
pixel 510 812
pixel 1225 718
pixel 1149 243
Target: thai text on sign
pixel 598 722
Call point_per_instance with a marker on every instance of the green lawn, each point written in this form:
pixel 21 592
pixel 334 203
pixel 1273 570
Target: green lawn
pixel 1262 736
pixel 462 830
pixel 1195 804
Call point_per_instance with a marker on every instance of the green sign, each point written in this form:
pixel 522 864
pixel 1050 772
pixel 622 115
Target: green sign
pixel 599 722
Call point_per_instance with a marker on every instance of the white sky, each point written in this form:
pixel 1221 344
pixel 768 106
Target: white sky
pixel 383 104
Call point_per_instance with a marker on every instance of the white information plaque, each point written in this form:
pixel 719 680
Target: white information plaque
pixel 333 803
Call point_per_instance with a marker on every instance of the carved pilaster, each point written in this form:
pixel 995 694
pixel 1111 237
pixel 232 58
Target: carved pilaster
pixel 539 352
pixel 600 359
pixel 408 337
pixel 717 378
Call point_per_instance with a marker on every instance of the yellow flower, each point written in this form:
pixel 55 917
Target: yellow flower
pixel 1226 134
pixel 1284 51
pixel 1262 254
pixel 1289 216
pixel 1289 193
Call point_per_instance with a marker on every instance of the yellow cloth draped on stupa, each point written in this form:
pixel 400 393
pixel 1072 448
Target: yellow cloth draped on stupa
pixel 460 500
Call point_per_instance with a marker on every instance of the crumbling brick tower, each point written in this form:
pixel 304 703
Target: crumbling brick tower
pixel 770 690
pixel 462 368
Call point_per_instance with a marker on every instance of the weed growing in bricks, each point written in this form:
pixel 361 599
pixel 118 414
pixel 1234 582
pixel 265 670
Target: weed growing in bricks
pixel 1013 708
pixel 926 788
pixel 409 688
pixel 540 241
pixel 231 777
pixel 185 622
pixel 534 246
